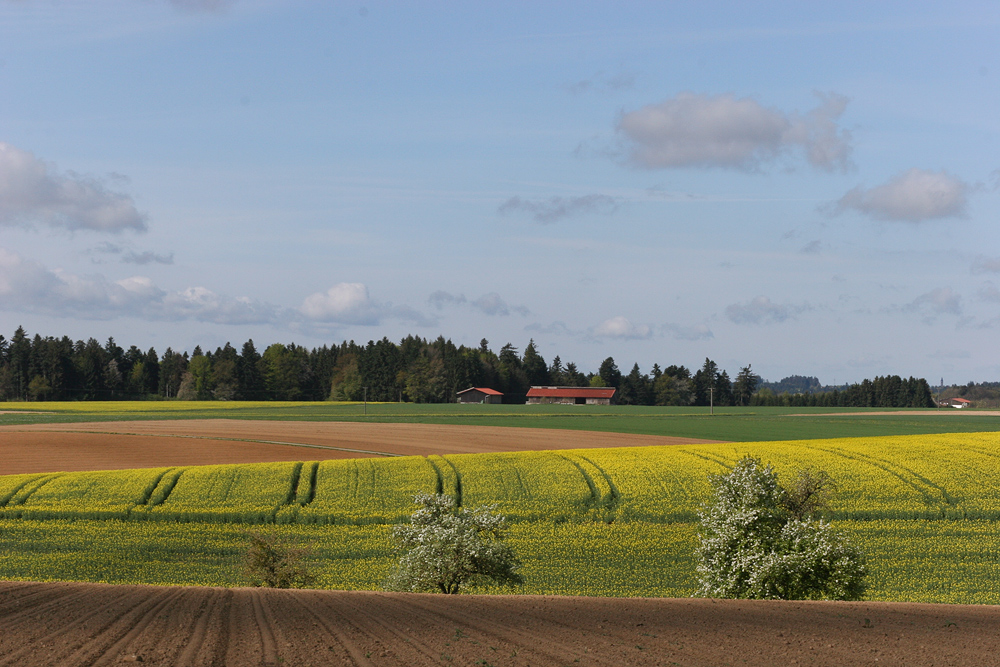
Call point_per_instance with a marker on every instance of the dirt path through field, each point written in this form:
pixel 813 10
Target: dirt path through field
pixel 72 625
pixel 145 444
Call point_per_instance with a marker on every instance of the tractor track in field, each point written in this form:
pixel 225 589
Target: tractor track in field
pixel 86 625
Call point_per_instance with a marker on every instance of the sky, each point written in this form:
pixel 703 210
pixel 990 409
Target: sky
pixel 808 188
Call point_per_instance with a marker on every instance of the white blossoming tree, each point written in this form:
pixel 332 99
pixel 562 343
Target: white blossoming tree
pixel 759 540
pixel 446 549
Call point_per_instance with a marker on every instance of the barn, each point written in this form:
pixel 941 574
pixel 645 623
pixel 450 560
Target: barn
pixel 572 395
pixel 480 395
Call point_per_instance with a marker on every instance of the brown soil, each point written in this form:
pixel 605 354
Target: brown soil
pixel 146 444
pixel 71 624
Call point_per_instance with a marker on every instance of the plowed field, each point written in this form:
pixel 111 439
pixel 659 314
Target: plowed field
pixel 150 444
pixel 71 624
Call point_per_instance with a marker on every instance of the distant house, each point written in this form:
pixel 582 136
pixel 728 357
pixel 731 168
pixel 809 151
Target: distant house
pixel 572 395
pixel 480 395
pixel 959 402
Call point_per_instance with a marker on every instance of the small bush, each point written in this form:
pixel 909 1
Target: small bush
pixel 272 562
pixel 447 549
pixel 759 540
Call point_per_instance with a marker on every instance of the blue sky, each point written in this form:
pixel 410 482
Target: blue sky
pixel 808 189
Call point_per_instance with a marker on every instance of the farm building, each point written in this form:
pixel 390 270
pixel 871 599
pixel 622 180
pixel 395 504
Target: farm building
pixel 572 395
pixel 480 395
pixel 959 402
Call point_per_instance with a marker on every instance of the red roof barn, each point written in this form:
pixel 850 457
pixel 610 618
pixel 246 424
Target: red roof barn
pixel 480 395
pixel 572 395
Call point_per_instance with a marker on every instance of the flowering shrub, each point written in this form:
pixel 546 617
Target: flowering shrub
pixel 753 544
pixel 446 548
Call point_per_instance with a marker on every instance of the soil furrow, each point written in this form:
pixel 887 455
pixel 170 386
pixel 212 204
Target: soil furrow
pixel 320 612
pixel 197 631
pixel 13 598
pixel 417 605
pixel 408 638
pixel 98 652
pixel 70 635
pixel 265 628
pixel 34 610
pixel 64 626
pixel 103 624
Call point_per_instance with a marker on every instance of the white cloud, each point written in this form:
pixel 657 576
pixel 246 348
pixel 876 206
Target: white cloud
pixel 204 305
pixel 621 327
pixel 692 130
pixel 32 193
pixel 912 196
pixel 761 310
pixel 350 303
pixel 344 303
pixel 27 286
pixel 557 208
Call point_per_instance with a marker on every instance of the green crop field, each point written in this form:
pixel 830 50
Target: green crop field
pixel 731 424
pixel 925 509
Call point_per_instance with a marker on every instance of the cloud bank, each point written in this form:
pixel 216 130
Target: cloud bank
pixel 27 286
pixel 912 196
pixel 692 130
pixel 32 193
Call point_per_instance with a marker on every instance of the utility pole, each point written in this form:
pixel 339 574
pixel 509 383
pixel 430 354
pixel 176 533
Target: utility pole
pixel 711 400
pixel 366 401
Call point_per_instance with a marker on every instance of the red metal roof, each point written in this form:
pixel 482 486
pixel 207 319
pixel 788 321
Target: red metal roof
pixel 572 392
pixel 485 390
pixel 961 400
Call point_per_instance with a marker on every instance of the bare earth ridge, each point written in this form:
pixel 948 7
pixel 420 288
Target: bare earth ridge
pixel 149 444
pixel 71 624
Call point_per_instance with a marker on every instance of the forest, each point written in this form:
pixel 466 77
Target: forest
pixel 419 370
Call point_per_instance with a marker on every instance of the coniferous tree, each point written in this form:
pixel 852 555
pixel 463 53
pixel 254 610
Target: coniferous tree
pixel 535 370
pixel 609 373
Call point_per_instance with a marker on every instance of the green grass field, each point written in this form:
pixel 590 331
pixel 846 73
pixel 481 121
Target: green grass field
pixel 730 424
pixel 925 509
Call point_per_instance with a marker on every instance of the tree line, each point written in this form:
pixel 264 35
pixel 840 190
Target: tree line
pixel 416 370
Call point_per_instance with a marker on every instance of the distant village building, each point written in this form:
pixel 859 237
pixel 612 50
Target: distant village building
pixel 480 395
pixel 572 395
pixel 959 403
